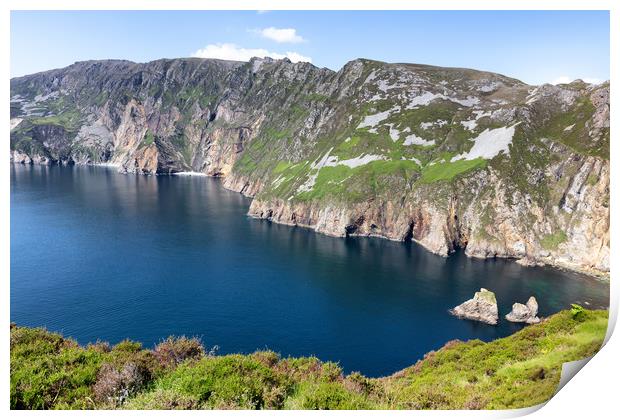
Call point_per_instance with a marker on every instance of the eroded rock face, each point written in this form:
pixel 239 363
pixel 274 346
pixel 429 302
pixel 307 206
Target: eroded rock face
pixel 483 308
pixel 524 313
pixel 449 158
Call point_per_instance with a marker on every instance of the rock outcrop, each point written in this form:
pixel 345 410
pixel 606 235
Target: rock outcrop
pixel 450 158
pixel 483 308
pixel 524 313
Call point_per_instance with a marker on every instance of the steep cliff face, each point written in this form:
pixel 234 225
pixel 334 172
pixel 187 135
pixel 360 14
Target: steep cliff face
pixel 446 157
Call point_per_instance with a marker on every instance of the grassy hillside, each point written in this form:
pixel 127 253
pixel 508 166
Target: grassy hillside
pixel 49 371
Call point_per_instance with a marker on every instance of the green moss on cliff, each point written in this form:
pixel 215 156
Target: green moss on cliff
pixel 570 128
pixel 345 184
pixel 69 120
pixel 551 242
pixel 447 171
pixel 148 139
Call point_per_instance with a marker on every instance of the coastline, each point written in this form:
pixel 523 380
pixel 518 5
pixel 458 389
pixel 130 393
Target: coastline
pixel 591 272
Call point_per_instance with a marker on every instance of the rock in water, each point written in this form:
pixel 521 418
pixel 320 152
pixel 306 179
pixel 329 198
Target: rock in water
pixel 524 313
pixel 532 305
pixel 519 313
pixel 483 308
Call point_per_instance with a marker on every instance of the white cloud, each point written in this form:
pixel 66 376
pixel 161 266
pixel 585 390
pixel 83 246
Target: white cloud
pixel 561 80
pixel 228 51
pixel 280 35
pixel 565 79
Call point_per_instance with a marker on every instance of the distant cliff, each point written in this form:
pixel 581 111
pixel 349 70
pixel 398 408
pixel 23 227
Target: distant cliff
pixel 446 157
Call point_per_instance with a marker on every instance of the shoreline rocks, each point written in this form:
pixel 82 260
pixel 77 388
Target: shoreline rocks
pixel 524 313
pixel 483 308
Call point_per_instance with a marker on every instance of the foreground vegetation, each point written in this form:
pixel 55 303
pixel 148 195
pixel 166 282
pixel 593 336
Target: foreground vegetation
pixel 49 371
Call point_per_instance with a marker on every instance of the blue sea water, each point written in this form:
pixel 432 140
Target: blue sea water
pixel 101 255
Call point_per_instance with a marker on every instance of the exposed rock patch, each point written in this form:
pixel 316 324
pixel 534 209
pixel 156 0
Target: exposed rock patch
pixel 524 313
pixel 483 308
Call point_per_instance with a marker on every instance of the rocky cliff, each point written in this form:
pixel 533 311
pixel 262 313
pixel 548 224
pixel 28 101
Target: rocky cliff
pixel 447 157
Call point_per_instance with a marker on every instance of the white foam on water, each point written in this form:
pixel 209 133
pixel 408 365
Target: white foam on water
pixel 107 164
pixel 189 173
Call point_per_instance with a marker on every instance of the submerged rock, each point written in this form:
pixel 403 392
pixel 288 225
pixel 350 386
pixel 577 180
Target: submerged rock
pixel 524 313
pixel 483 308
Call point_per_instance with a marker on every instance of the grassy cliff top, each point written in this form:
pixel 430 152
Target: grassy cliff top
pixel 49 371
pixel 486 295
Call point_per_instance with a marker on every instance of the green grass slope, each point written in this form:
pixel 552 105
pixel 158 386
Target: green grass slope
pixel 52 372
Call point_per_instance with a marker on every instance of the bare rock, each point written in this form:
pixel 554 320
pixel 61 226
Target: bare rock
pixel 483 308
pixel 532 305
pixel 528 262
pixel 524 313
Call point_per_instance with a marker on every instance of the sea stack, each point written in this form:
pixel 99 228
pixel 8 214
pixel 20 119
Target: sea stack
pixel 524 313
pixel 483 308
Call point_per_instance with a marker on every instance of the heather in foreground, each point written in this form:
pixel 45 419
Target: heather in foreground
pixel 52 372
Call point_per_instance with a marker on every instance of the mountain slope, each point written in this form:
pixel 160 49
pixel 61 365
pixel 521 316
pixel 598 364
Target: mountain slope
pixel 444 156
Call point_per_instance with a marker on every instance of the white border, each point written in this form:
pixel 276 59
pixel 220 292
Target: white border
pixel 309 5
pixel 592 393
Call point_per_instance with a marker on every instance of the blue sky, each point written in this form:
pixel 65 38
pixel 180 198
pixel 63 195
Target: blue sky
pixel 534 46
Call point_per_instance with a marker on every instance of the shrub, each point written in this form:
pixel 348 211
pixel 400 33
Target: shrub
pixel 267 357
pixel 577 312
pixel 303 368
pixel 299 368
pixel 114 386
pixel 48 371
pixel 131 352
pixel 358 383
pixel 174 351
pixel 232 381
pixel 329 396
pixel 476 402
pixel 430 399
pixel 163 399
pixel 128 346
pixel 102 346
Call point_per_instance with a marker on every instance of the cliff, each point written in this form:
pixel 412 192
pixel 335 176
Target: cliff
pixel 446 157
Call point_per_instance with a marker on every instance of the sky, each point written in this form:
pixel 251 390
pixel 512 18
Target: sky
pixel 533 46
